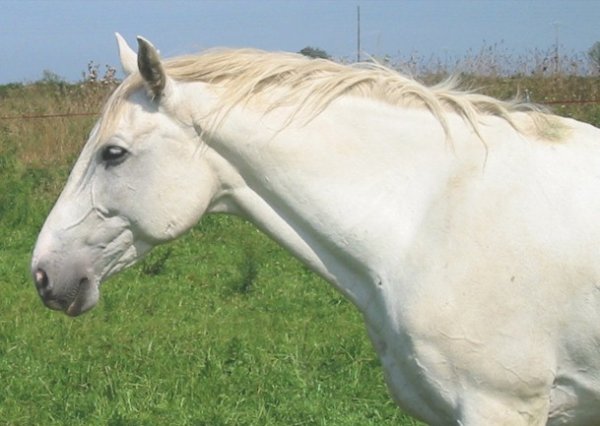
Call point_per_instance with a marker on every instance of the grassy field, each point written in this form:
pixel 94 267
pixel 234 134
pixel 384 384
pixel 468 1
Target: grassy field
pixel 219 328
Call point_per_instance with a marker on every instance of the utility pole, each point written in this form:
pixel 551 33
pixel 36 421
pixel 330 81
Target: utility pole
pixel 357 33
pixel 556 53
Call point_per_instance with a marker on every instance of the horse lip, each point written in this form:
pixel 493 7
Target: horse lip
pixel 73 310
pixel 55 304
pixel 78 300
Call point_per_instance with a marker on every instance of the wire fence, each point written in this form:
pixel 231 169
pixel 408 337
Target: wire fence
pixel 58 115
pixel 89 114
pixel 571 102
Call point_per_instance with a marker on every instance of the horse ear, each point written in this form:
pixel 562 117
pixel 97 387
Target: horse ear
pixel 150 66
pixel 127 55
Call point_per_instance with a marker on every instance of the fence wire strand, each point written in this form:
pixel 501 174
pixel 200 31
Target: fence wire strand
pixel 90 114
pixel 39 116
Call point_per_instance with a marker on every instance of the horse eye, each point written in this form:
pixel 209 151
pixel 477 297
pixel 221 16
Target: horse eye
pixel 113 154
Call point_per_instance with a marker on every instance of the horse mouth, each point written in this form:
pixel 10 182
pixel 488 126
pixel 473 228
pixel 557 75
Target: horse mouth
pixel 75 302
pixel 79 298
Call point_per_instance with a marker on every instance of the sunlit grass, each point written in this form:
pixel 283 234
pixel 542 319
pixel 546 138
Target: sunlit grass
pixel 190 346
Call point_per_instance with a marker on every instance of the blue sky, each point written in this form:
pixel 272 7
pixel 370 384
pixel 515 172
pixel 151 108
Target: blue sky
pixel 63 36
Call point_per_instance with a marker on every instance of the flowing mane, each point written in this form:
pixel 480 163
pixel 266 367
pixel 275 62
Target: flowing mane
pixel 312 84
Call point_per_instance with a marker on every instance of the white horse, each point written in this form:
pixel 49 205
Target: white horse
pixel 464 229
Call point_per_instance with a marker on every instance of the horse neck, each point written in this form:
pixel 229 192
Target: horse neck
pixel 336 192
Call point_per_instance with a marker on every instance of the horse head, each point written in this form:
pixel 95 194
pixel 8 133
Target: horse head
pixel 144 177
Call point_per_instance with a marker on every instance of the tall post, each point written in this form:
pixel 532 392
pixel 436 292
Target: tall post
pixel 357 33
pixel 556 52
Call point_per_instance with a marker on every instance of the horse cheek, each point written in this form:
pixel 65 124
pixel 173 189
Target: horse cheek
pixel 170 208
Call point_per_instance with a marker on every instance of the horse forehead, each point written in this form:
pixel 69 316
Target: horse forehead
pixel 133 116
pixel 137 109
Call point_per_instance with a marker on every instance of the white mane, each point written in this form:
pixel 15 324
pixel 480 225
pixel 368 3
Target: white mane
pixel 311 84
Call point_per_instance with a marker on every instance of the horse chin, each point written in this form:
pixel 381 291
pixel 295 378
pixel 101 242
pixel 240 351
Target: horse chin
pixel 85 299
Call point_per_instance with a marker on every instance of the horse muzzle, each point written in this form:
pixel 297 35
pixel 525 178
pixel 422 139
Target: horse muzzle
pixel 73 296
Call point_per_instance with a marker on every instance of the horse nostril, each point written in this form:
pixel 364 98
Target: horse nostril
pixel 41 280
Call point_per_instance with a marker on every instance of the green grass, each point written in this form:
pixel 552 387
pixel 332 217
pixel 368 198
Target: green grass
pixel 198 334
pixel 221 327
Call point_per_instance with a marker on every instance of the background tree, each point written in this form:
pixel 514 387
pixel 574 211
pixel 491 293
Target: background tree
pixel 315 52
pixel 594 54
